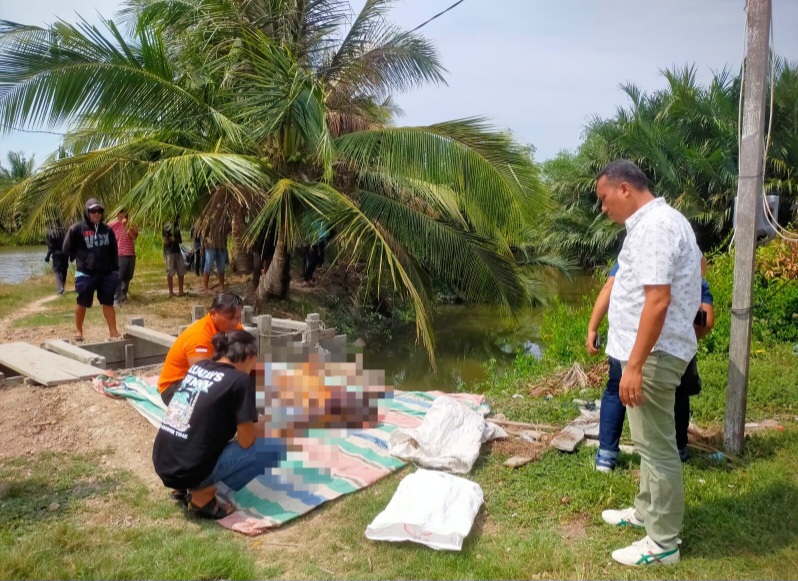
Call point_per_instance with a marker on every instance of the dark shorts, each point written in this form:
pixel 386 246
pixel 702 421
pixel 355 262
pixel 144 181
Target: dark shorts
pixel 103 284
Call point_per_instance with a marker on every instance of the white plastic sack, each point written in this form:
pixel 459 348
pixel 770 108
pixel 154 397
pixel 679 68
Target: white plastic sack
pixel 449 438
pixel 432 508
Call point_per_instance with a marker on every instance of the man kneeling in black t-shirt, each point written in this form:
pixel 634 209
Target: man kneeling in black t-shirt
pixel 215 402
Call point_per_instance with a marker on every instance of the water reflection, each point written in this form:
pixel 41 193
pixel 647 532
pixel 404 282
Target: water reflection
pixel 466 337
pixel 19 263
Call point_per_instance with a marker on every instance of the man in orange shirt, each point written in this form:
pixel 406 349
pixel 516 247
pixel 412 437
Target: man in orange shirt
pixel 195 343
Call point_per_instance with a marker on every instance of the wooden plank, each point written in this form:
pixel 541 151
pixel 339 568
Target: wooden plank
pixel 74 352
pixel 43 366
pixel 150 335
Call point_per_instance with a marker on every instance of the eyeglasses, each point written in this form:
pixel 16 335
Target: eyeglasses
pixel 96 211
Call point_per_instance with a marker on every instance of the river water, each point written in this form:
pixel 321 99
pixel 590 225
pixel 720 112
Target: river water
pixel 19 263
pixel 466 337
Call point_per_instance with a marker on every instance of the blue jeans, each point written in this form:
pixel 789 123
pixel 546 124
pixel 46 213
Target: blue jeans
pixel 238 466
pixel 217 255
pixel 613 412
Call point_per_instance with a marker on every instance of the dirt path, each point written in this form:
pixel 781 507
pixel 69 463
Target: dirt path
pixel 36 306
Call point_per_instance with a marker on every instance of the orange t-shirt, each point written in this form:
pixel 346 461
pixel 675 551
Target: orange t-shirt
pixel 195 341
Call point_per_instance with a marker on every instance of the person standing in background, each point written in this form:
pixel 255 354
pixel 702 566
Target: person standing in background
pixel 314 253
pixel 125 239
pixel 92 245
pixel 613 411
pixel 55 244
pixel 216 251
pixel 173 257
pixel 199 255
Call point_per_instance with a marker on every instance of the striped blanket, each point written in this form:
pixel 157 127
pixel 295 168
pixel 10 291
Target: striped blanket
pixel 328 464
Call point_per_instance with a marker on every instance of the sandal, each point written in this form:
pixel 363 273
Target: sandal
pixel 214 510
pixel 78 338
pixel 181 496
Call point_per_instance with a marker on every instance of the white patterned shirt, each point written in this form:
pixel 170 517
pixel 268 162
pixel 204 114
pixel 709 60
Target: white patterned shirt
pixel 659 249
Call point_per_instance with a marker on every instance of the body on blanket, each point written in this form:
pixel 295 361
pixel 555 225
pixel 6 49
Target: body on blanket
pixel 216 401
pixel 322 466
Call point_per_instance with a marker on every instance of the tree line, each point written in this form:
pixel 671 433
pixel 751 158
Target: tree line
pixel 685 138
pixel 276 115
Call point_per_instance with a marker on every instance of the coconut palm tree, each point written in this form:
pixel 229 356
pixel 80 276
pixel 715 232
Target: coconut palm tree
pixel 19 168
pixel 281 108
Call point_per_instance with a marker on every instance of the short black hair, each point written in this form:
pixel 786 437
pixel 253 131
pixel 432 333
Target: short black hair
pixel 226 303
pixel 237 346
pixel 623 170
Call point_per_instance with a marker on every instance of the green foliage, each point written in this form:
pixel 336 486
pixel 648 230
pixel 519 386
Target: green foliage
pixel 13 215
pixel 684 137
pixel 775 304
pixel 564 330
pixel 277 116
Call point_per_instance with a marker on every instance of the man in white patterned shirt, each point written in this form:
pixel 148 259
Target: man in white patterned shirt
pixel 656 295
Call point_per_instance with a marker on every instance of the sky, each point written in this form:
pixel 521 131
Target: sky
pixel 542 68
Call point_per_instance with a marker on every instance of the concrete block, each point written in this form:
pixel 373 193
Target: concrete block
pixel 517 461
pixel 150 335
pixel 197 312
pixel 568 439
pixel 74 352
pixel 247 315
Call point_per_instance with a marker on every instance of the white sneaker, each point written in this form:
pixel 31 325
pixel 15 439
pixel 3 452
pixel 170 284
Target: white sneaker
pixel 646 552
pixel 622 518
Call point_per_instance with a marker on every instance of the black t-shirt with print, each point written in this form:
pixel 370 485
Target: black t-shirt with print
pixel 202 418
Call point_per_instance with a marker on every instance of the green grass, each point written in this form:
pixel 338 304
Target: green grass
pixel 539 521
pixel 106 525
pixel 17 296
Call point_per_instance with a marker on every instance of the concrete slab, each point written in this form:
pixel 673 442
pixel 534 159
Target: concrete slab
pixel 44 367
pixel 568 439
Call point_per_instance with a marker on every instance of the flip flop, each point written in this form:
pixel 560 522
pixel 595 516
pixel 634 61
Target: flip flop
pixel 78 338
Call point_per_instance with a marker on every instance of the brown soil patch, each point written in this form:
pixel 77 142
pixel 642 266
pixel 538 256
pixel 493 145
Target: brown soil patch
pixel 516 446
pixel 574 530
pixel 74 418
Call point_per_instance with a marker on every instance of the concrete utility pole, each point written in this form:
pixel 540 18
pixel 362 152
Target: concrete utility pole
pixel 749 194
